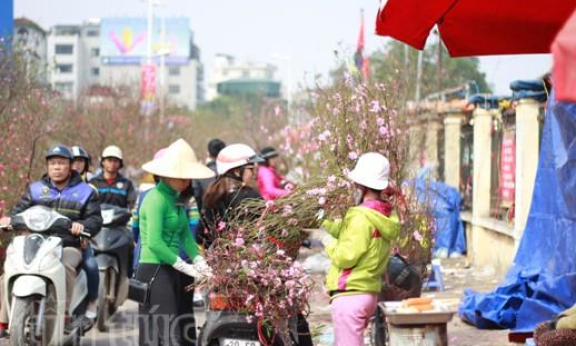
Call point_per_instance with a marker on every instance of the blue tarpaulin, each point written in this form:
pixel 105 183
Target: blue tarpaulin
pixel 542 280
pixel 444 202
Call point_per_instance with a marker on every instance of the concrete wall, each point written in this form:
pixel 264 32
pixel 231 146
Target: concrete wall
pixel 491 242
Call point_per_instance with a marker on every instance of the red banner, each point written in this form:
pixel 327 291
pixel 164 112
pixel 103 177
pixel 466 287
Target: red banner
pixel 508 168
pixel 148 82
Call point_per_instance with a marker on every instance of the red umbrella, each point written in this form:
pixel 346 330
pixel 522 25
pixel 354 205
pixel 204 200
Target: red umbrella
pixel 564 70
pixel 476 27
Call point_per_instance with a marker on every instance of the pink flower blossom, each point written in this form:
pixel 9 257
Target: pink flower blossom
pixel 323 137
pixel 221 225
pixel 332 179
pixel 290 283
pixel 239 242
pixel 322 200
pixel 277 110
pixel 375 106
pixel 269 204
pixel 383 131
pixel 380 121
pixel 418 236
pixel 352 155
pixel 313 192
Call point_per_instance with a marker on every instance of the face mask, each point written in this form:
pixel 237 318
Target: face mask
pixel 358 196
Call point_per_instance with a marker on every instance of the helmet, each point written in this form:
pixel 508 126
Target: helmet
pixel 215 146
pixel 234 156
pixel 112 151
pixel 80 152
pixel 372 170
pixel 268 153
pixel 59 151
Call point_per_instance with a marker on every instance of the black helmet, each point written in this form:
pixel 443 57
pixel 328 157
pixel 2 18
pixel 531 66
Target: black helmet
pixel 80 152
pixel 215 146
pixel 59 151
pixel 268 153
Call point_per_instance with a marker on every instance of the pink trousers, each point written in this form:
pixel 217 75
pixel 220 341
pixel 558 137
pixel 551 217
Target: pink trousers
pixel 350 315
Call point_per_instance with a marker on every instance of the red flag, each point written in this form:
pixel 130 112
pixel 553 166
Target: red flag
pixel 360 44
pixel 362 63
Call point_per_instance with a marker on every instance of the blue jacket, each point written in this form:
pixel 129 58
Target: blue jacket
pixel 78 201
pixel 120 193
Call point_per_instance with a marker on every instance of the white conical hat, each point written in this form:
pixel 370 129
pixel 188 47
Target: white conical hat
pixel 178 161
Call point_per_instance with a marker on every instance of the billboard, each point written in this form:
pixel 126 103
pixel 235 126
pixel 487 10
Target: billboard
pixel 125 40
pixel 6 18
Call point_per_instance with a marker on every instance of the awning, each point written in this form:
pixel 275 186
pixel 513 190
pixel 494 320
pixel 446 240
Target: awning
pixel 476 27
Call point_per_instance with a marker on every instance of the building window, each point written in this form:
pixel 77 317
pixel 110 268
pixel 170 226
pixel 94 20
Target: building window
pixel 92 33
pixel 174 71
pixel 64 49
pixel 95 72
pixel 174 89
pixel 64 68
pixel 95 52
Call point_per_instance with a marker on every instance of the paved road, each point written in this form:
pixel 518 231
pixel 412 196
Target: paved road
pixel 123 328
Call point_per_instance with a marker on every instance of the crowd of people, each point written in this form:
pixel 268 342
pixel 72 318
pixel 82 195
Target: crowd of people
pixel 176 217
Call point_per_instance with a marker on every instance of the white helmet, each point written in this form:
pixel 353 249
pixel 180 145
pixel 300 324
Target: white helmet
pixel 372 170
pixel 236 155
pixel 112 151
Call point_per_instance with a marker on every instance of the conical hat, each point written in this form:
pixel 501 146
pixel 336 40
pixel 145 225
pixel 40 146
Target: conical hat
pixel 179 161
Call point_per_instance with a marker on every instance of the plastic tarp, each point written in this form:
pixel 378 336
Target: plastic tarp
pixel 529 89
pixel 445 203
pixel 541 282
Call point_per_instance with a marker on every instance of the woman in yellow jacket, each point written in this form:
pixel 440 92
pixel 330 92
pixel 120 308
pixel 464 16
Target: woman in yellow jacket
pixel 359 248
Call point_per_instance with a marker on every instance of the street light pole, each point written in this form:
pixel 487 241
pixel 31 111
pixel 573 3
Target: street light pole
pixel 150 24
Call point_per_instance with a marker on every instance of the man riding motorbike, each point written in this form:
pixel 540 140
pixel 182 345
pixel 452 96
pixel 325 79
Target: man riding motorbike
pixel 114 188
pixel 81 164
pixel 63 190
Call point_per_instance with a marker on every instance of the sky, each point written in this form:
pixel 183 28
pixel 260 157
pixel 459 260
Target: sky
pixel 299 36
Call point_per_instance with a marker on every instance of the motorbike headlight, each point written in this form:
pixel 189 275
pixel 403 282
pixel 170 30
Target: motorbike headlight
pixel 37 220
pixel 107 216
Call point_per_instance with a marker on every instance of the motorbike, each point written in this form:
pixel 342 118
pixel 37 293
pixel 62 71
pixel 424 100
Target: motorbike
pixel 113 248
pixel 225 326
pixel 35 282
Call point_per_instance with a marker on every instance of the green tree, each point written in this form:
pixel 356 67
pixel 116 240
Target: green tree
pixel 392 66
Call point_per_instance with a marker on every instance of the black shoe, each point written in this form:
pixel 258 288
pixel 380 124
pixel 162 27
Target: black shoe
pixel 87 323
pixel 3 333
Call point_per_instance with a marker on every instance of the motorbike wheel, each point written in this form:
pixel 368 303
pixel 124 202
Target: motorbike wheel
pixel 378 329
pixel 103 304
pixel 24 321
